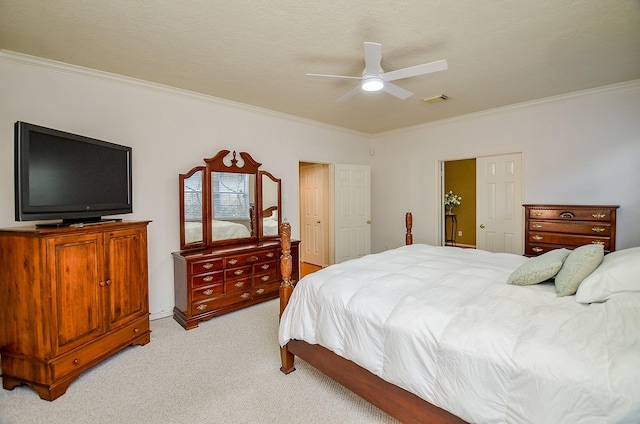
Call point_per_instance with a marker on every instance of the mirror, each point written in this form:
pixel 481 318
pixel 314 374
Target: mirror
pixel 228 200
pixel 269 205
pixel 233 197
pixel 191 208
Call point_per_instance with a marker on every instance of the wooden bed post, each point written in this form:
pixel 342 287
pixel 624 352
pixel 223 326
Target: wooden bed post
pixel 408 219
pixel 286 288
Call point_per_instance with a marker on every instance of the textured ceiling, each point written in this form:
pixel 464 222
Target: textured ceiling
pixel 257 52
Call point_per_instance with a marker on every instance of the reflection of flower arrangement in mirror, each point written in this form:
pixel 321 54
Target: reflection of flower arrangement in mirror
pixel 451 200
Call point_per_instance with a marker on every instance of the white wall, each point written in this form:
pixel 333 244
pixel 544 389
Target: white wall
pixel 577 149
pixel 583 148
pixel 170 132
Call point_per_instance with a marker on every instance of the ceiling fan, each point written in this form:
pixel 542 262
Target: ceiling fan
pixel 374 78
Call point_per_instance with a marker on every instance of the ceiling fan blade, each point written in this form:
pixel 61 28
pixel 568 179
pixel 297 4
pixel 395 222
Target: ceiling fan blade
pixel 413 71
pixel 372 58
pixel 394 90
pixel 349 95
pixel 332 76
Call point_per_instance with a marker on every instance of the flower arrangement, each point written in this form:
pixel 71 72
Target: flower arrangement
pixel 451 200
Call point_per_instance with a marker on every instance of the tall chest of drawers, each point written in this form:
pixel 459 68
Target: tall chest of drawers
pixel 212 281
pixel 549 227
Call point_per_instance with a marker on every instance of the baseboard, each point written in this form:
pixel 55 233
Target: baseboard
pixel 160 315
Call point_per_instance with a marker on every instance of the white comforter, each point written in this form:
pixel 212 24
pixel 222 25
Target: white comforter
pixel 443 323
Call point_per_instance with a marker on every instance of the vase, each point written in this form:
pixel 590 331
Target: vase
pixel 448 209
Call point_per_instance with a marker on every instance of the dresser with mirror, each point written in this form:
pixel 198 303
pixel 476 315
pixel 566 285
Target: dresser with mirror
pixel 229 258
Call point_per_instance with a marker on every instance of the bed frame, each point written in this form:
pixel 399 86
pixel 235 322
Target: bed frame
pixel 395 401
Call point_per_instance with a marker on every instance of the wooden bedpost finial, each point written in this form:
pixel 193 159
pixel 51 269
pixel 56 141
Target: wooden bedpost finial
pixel 408 219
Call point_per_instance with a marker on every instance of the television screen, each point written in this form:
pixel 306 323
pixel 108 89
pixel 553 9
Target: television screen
pixel 65 176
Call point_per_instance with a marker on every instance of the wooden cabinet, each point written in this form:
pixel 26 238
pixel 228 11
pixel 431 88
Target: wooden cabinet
pixel 212 281
pixel 69 297
pixel 549 227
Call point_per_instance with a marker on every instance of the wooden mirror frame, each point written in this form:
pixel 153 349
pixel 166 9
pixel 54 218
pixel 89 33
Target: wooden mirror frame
pixel 227 161
pixel 184 243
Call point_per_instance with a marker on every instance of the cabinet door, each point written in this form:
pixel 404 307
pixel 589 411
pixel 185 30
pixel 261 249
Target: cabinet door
pixel 76 266
pixel 126 276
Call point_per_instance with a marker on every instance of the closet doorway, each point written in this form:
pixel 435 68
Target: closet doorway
pixel 490 216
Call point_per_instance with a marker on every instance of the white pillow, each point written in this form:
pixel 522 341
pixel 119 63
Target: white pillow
pixel 619 272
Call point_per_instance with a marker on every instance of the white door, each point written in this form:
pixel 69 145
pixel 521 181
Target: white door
pixel 499 213
pixel 312 248
pixel 352 211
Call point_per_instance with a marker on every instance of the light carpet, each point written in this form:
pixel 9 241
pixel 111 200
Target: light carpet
pixel 225 371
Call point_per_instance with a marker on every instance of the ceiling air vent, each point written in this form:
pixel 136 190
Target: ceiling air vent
pixel 436 99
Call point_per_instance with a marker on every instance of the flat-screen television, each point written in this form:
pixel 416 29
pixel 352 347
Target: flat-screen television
pixel 69 177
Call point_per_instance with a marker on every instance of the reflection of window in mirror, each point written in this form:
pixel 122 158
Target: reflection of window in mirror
pixel 231 196
pixel 193 197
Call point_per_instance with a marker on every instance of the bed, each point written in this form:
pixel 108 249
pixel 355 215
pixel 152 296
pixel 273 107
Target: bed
pixel 436 334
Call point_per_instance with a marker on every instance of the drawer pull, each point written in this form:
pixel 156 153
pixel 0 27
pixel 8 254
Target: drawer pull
pixel 265 278
pixel 232 261
pixel 136 330
pixel 270 255
pixel 207 278
pixel 537 226
pixel 76 361
pixel 238 271
pixel 207 266
pixel 597 229
pixel 597 242
pixel 537 237
pixel 239 284
pixel 245 295
pixel 265 266
pixel 567 215
pixel 598 215
pixel 537 249
pixel 202 307
pixel 207 292
pixel 260 291
pixel 536 213
pixel 253 259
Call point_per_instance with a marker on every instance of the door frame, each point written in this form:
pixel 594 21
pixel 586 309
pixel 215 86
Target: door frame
pixel 328 206
pixel 439 215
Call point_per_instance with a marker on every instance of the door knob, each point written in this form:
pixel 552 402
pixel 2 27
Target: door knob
pixel 318 221
pixel 368 221
pixel 481 225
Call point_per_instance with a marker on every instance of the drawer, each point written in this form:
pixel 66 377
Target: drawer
pixel 571 214
pixel 208 291
pixel 251 258
pixel 567 240
pixel 265 277
pixel 206 265
pixel 235 273
pixel 539 249
pixel 578 227
pixel 268 255
pixel 83 357
pixel 265 266
pixel 207 279
pixel 266 289
pixel 221 302
pixel 236 285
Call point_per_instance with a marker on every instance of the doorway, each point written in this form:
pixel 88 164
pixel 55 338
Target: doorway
pixel 314 215
pixel 493 203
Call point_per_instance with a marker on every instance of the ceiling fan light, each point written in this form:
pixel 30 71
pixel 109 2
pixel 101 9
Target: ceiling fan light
pixel 372 84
